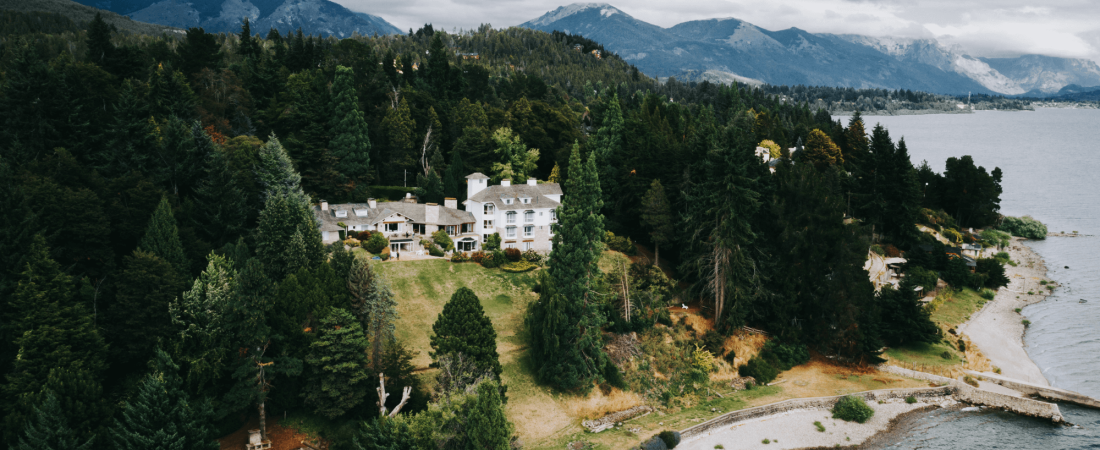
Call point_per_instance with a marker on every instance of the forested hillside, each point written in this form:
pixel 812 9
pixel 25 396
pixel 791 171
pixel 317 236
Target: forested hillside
pixel 161 267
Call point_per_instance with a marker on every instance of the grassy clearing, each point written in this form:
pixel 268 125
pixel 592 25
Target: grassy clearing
pixel 423 287
pixel 949 310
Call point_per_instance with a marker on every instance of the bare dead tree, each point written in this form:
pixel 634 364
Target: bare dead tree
pixel 382 395
pixel 624 282
pixel 428 145
pixel 264 386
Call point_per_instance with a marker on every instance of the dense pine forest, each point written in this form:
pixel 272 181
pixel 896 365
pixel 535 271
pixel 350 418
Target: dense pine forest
pixel 163 279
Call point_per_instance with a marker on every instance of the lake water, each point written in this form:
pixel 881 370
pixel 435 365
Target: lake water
pixel 1051 164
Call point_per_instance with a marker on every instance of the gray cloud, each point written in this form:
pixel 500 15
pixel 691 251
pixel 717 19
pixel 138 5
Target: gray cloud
pixel 1067 28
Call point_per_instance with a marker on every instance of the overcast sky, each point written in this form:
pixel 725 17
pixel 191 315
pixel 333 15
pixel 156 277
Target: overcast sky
pixel 1068 28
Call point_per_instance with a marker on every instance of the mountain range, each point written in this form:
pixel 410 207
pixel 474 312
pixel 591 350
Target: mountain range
pixel 318 17
pixel 734 50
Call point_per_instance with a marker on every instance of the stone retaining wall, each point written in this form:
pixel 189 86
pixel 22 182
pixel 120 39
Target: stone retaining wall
pixel 812 403
pixel 1049 393
pixel 973 395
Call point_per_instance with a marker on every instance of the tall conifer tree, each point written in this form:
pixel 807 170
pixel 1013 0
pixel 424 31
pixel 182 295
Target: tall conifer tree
pixel 162 237
pixel 162 416
pixel 350 143
pixel 52 329
pixel 464 328
pixel 49 430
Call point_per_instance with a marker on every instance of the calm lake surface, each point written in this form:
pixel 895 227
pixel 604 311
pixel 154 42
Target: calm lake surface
pixel 1051 164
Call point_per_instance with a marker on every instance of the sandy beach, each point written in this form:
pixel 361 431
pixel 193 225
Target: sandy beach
pixel 997 328
pixel 795 429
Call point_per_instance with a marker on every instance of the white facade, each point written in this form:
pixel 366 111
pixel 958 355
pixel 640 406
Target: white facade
pixel 523 215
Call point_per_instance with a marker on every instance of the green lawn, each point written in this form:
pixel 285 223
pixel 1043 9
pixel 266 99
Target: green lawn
pixel 950 310
pixel 423 287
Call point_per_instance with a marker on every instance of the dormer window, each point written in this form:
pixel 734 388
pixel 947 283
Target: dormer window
pixel 361 212
pixel 507 201
pixel 525 200
pixel 341 213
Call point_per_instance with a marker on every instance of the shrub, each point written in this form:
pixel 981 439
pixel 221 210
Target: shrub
pixel 970 380
pixel 923 277
pixel 513 254
pixel 460 257
pixel 532 256
pixel 821 427
pixel 996 238
pixel 352 242
pixel 443 240
pixel 1025 226
pixel 1026 323
pixel 759 369
pixel 714 342
pixel 953 235
pixel 492 243
pixel 702 359
pixel 852 409
pixel 785 356
pixel 891 251
pixel 988 294
pixel 962 345
pixel 434 250
pixel 945 355
pixel 477 256
pixel 1018 310
pixel 518 266
pixel 385 253
pixel 877 249
pixel 620 244
pixel 766 441
pixel 654 443
pixel 376 243
pixel 910 399
pixel 671 438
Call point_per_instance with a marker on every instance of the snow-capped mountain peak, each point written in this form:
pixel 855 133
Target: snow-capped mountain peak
pixel 563 12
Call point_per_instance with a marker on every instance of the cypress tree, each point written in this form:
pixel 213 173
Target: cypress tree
pixel 565 323
pixel 657 216
pixel 350 143
pixel 607 147
pixel 162 416
pixel 360 287
pixel 381 311
pixel 162 237
pixel 337 363
pixel 453 184
pixel 49 430
pixel 486 425
pixel 464 328
pixel 578 240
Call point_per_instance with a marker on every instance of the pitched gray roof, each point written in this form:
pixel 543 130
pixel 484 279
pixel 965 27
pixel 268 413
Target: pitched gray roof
pixel 417 212
pixel 536 193
pixel 476 176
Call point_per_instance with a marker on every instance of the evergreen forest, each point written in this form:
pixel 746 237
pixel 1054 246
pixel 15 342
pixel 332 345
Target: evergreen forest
pixel 163 279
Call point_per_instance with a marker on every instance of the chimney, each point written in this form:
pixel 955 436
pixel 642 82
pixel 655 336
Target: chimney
pixel 431 213
pixel 505 183
pixel 324 205
pixel 532 182
pixel 372 203
pixel 450 202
